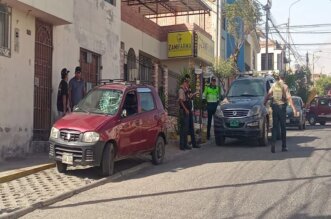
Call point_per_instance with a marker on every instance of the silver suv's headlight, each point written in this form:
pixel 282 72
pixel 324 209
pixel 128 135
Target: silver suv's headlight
pixel 55 133
pixel 256 110
pixel 219 112
pixel 90 137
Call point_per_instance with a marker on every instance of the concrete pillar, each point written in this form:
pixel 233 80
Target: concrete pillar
pixel 155 76
pixel 165 86
pixel 122 61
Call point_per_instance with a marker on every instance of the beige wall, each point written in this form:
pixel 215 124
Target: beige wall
pixel 16 72
pixel 140 41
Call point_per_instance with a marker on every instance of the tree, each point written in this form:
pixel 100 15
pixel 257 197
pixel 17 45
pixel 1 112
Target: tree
pixel 242 16
pixel 299 83
pixel 223 69
pixel 323 85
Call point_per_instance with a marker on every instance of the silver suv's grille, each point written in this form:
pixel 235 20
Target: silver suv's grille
pixel 235 113
pixel 69 135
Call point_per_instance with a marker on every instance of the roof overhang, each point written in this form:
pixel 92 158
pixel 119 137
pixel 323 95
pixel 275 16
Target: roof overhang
pixel 168 8
pixel 36 12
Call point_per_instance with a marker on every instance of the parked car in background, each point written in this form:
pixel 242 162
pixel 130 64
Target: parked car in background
pixel 319 110
pixel 114 121
pixel 298 120
pixel 242 113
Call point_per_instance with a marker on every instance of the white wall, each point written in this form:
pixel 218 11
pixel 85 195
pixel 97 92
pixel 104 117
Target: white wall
pixel 17 78
pixel 96 27
pixel 270 50
pixel 58 8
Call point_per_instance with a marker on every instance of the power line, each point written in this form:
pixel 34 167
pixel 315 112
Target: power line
pixel 305 32
pixel 303 26
pixel 310 44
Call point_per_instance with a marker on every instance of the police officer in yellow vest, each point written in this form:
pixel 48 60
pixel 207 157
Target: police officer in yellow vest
pixel 211 94
pixel 280 97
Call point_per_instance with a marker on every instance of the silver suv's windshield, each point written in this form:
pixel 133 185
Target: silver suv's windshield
pixel 101 101
pixel 247 88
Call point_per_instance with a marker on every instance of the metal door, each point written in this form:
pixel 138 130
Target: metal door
pixel 42 81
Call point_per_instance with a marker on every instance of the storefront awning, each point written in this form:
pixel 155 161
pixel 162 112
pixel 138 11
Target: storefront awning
pixel 168 8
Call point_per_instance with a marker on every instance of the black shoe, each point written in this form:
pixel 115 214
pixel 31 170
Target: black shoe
pixel 188 148
pixel 182 148
pixel 273 148
pixel 284 149
pixel 197 146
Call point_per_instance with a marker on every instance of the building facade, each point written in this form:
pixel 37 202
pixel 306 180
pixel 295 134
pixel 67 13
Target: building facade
pixel 276 57
pixel 38 39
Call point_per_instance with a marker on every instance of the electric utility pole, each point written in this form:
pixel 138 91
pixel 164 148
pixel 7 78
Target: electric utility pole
pixel 267 8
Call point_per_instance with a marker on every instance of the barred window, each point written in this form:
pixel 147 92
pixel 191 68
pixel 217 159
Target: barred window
pixel 113 2
pixel 270 61
pixel 5 17
pixel 145 67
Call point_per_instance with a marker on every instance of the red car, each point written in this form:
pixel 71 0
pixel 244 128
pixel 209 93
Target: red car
pixel 319 110
pixel 114 121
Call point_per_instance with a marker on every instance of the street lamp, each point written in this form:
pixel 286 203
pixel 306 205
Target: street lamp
pixel 288 31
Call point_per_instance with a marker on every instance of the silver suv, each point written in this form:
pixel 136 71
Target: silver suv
pixel 242 113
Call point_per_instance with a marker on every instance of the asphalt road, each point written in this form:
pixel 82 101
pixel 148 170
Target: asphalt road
pixel 238 180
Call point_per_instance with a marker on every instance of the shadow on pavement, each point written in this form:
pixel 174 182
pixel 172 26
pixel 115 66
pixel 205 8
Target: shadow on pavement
pixel 233 151
pixel 259 182
pixel 93 172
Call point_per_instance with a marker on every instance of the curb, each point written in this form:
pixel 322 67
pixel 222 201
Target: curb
pixel 66 195
pixel 63 196
pixel 25 172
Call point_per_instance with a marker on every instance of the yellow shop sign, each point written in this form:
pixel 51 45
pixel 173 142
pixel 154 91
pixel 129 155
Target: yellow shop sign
pixel 180 44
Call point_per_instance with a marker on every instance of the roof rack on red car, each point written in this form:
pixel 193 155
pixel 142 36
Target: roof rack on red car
pixel 113 81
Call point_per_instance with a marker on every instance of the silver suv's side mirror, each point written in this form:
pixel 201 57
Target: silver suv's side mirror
pixel 124 113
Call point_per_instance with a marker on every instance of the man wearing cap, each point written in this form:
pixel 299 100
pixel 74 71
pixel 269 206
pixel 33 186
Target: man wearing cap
pixel 280 97
pixel 211 94
pixel 63 94
pixel 76 88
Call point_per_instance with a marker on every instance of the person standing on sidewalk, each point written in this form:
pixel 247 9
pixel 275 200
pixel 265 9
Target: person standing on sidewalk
pixel 280 97
pixel 186 114
pixel 211 94
pixel 63 94
pixel 76 88
pixel 191 95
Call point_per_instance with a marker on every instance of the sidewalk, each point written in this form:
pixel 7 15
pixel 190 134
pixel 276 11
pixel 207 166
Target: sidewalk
pixel 18 167
pixel 24 194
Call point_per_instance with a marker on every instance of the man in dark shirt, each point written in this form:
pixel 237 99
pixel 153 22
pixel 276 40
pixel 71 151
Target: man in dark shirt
pixel 76 88
pixel 62 94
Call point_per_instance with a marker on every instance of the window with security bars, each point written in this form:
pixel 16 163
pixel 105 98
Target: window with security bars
pixel 270 61
pixel 5 22
pixel 145 68
pixel 113 2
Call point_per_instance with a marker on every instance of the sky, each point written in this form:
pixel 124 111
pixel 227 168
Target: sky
pixel 306 12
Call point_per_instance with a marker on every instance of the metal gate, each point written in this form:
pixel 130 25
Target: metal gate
pixel 90 67
pixel 42 81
